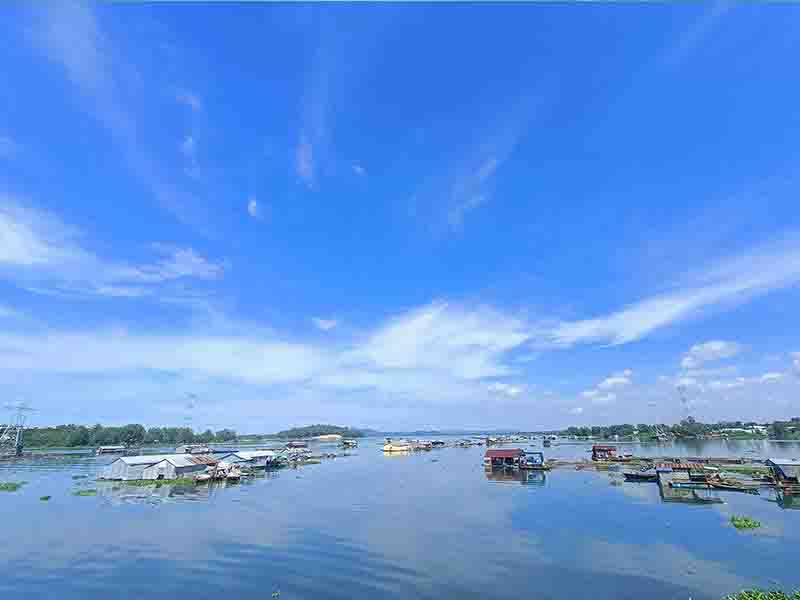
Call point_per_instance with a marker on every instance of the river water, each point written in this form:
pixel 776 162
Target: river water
pixel 366 526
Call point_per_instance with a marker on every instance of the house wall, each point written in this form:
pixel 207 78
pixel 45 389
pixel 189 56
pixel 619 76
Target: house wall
pixel 161 470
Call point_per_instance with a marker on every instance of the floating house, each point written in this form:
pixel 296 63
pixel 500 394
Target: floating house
pixel 193 449
pixel 297 444
pixel 786 471
pixel 510 457
pixel 600 452
pixel 257 459
pixel 111 450
pixel 157 466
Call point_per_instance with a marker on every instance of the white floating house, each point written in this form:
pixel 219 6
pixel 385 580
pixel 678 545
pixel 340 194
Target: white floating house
pixel 157 466
pixel 258 459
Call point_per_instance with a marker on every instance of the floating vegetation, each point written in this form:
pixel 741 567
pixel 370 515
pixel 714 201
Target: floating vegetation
pixel 11 486
pixel 746 523
pixel 79 476
pixel 763 595
pixel 44 498
pixel 91 492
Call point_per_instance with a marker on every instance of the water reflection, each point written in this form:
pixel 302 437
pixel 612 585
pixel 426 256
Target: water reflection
pixel 524 477
pixel 120 492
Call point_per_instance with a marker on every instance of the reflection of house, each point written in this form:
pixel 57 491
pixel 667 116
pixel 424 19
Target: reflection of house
pixel 785 470
pixel 515 476
pixel 600 452
pixel 157 466
pixel 503 458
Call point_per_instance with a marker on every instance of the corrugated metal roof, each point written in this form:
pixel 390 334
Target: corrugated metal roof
pixel 179 460
pixel 145 459
pixel 508 453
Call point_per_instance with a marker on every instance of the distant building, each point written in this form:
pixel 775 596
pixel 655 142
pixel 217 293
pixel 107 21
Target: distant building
pixel 329 437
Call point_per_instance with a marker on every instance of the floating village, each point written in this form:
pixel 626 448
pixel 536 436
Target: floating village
pixel 520 458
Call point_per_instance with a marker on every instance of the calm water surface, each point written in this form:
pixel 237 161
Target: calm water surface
pixel 427 525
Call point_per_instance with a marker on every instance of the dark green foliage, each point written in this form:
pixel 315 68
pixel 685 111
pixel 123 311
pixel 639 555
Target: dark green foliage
pixel 314 430
pixel 689 428
pixel 11 486
pixel 744 522
pixel 763 595
pixel 85 493
pixel 44 498
pixel 71 436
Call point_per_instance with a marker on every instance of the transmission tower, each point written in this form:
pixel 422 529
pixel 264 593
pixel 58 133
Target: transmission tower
pixel 12 433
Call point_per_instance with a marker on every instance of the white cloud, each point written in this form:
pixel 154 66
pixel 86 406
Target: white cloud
pixel 42 253
pixel 505 389
pixel 253 209
pixel 325 324
pixel 709 352
pixel 467 343
pixel 761 270
pixel 617 380
pixel 767 377
pixel 728 385
pixel 576 411
pixel 359 170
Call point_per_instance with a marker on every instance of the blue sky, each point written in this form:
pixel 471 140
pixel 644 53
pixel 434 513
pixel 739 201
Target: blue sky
pixel 398 216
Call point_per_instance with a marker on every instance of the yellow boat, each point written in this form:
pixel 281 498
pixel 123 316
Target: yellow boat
pixel 390 446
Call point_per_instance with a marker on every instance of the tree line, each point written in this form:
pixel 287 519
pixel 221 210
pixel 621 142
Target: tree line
pixel 687 428
pixel 315 430
pixel 71 436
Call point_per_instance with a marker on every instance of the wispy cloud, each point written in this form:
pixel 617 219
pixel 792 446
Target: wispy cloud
pixel 694 35
pixel 40 252
pixel 505 389
pixel 70 35
pixel 709 352
pixel 312 141
pixel 773 266
pixel 324 324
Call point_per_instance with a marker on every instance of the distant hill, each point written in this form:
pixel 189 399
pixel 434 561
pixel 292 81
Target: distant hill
pixel 315 430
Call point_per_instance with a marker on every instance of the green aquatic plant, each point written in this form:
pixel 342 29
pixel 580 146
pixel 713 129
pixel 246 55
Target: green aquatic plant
pixel 91 492
pixel 11 486
pixel 763 595
pixel 744 522
pixel 44 498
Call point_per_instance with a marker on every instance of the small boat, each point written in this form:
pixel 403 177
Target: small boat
pixel 651 476
pixel 733 486
pixel 399 446
pixel 203 477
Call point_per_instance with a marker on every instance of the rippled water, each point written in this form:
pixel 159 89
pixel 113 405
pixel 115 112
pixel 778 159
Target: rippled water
pixel 427 525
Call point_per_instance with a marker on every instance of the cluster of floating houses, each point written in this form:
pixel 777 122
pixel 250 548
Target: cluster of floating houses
pixel 202 463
